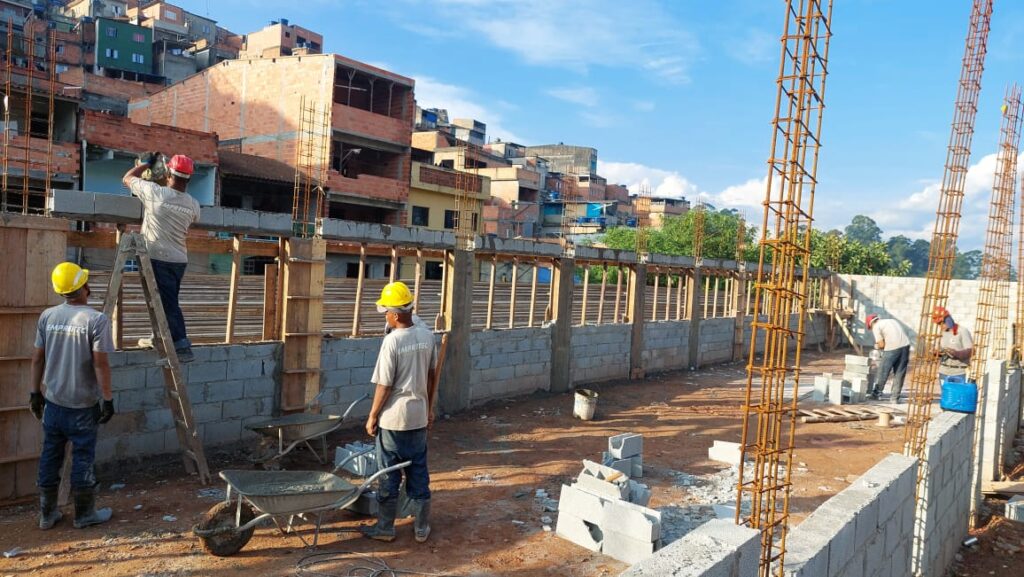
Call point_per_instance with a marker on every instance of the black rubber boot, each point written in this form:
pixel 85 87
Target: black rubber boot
pixel 49 514
pixel 422 522
pixel 384 529
pixel 85 509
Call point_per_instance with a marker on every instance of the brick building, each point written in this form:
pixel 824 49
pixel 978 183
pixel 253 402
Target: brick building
pixel 254 105
pixel 281 38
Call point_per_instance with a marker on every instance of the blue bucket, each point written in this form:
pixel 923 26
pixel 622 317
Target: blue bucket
pixel 958 395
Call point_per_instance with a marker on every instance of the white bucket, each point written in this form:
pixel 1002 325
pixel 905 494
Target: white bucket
pixel 585 404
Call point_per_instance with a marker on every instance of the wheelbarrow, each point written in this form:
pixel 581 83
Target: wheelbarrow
pixel 296 429
pixel 253 497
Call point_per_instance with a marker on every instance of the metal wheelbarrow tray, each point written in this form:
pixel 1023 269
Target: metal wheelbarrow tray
pixel 297 429
pixel 253 497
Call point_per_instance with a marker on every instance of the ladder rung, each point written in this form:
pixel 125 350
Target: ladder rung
pixel 25 358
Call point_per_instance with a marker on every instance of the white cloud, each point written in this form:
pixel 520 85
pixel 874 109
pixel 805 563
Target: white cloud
pixel 643 105
pixel 583 95
pixel 580 34
pixel 461 102
pixel 747 194
pixel 663 183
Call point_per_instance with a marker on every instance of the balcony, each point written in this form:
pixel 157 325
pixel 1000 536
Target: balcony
pixel 425 177
pixel 65 159
pixel 371 125
pixel 369 187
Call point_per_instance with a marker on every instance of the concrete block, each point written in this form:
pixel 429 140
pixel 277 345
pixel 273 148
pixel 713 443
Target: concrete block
pixel 639 494
pixel 603 488
pixel 118 208
pixel 715 549
pixel 820 392
pixel 625 548
pixel 623 465
pixel 725 452
pixel 634 521
pixel 211 217
pixel 224 391
pixel 241 219
pixel 583 533
pixel 158 420
pixel 222 431
pixel 262 387
pixel 725 511
pixel 363 465
pixel 207 412
pixel 856 360
pixel 835 391
pixel 581 503
pixel 207 372
pixel 72 203
pixel 275 222
pixel 859 389
pixel 1015 508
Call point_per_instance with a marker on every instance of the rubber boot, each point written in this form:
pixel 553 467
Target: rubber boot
pixel 384 529
pixel 49 514
pixel 85 509
pixel 422 522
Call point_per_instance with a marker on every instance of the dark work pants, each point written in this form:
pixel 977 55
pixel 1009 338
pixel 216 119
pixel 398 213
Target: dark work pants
pixel 894 361
pixel 168 282
pixel 77 426
pixel 394 447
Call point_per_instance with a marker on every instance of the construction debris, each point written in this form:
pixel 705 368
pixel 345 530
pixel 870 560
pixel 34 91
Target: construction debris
pixel 1015 509
pixel 625 453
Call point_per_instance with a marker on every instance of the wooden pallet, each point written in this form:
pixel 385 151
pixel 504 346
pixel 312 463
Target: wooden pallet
pixel 840 414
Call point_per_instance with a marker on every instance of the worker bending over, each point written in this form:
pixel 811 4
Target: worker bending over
pixel 892 340
pixel 168 212
pixel 70 358
pixel 403 409
pixel 955 346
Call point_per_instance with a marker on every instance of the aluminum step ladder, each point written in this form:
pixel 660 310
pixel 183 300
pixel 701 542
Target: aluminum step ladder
pixel 134 246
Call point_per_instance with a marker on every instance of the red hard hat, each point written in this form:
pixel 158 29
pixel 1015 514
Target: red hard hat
pixel 870 319
pixel 181 165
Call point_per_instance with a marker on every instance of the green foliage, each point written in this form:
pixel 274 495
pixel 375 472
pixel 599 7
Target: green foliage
pixel 676 236
pixel 864 230
pixel 838 253
pixel 967 265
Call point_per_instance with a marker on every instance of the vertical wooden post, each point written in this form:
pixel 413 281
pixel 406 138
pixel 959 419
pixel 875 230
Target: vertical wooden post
pixel 394 265
pixel 714 306
pixel 512 295
pixel 668 296
pixel 236 272
pixel 419 275
pixel 654 304
pixel 360 278
pixel 489 322
pixel 533 293
pixel 586 290
pixel 117 323
pixel 707 290
pixel 740 283
pixel 680 281
pixel 604 287
pixel 270 300
pixel 618 295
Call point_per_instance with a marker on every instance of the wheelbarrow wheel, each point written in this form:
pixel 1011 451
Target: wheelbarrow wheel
pixel 222 516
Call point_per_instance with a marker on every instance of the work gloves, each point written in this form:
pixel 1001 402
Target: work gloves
pixel 149 158
pixel 106 411
pixel 36 404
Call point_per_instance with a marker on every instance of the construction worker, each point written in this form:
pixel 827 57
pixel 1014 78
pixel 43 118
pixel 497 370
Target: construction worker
pixel 168 212
pixel 403 409
pixel 955 345
pixel 892 340
pixel 70 358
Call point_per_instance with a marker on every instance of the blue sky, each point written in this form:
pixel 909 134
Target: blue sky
pixel 680 93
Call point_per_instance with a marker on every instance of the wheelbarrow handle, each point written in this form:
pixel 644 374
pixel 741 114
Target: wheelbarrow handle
pixel 353 405
pixel 374 477
pixel 349 458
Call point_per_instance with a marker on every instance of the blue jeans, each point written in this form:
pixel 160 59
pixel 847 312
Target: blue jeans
pixel 168 282
pixel 79 426
pixel 894 361
pixel 394 447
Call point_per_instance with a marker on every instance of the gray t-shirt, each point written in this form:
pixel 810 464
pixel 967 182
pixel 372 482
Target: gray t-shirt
pixel 961 341
pixel 890 331
pixel 406 355
pixel 69 334
pixel 167 214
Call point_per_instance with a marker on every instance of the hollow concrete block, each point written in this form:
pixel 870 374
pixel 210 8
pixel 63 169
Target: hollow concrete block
pixel 626 445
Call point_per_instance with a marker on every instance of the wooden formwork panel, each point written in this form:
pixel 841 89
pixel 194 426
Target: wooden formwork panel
pixel 304 270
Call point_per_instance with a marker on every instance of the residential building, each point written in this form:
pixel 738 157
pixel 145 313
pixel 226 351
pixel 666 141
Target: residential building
pixel 281 38
pixel 469 130
pixel 567 159
pixel 226 46
pixel 123 47
pixel 506 150
pixel 97 8
pixel 16 12
pixel 256 109
pixel 662 208
pixel 173 60
pixel 165 19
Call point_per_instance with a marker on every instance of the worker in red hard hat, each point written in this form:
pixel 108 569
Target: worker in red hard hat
pixel 892 340
pixel 955 345
pixel 168 212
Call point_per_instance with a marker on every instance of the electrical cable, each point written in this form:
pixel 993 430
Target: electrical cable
pixel 375 567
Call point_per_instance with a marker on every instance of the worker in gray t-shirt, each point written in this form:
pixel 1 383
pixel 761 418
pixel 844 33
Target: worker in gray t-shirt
pixel 70 378
pixel 168 212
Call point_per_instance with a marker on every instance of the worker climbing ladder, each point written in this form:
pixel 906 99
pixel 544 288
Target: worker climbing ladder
pixel 134 246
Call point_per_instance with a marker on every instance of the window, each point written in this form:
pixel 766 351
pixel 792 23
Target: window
pixel 60 48
pixel 352 270
pixel 139 37
pixel 172 16
pixel 111 32
pixel 138 59
pixel 62 68
pixel 420 216
pixel 206 28
pixel 451 219
pixel 433 271
pixel 111 53
pixel 116 10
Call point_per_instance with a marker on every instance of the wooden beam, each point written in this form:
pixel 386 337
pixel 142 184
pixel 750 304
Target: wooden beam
pixel 236 272
pixel 270 302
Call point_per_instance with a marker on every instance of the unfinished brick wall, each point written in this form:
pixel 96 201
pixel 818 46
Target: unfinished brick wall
pixel 111 87
pixel 119 133
pixel 439 177
pixel 364 123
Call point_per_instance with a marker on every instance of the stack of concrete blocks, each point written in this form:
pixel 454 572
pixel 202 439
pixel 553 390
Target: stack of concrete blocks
pixel 597 512
pixel 364 465
pixel 858 375
pixel 865 530
pixel 625 453
pixel 1015 509
pixel 725 452
pixel 944 502
pixel 821 386
pixel 715 549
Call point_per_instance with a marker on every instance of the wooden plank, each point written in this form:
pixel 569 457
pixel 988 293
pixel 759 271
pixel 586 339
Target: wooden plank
pixel 269 302
pixel 236 272
pixel 1003 487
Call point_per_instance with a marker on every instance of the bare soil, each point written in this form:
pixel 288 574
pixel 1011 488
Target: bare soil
pixel 486 465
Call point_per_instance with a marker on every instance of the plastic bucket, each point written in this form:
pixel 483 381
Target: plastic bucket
pixel 585 404
pixel 958 395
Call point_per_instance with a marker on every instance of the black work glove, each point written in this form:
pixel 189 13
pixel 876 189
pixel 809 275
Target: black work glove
pixel 106 411
pixel 36 403
pixel 149 158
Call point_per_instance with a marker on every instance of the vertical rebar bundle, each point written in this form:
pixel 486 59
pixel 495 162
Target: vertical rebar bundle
pixel 769 419
pixel 570 199
pixel 942 256
pixel 467 185
pixel 698 233
pixel 312 154
pixel 741 239
pixel 52 64
pixel 8 85
pixel 642 208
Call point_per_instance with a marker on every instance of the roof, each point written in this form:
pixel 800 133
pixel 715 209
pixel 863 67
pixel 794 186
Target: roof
pixel 255 167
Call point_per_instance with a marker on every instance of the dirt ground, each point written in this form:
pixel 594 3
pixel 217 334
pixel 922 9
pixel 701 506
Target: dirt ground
pixel 487 465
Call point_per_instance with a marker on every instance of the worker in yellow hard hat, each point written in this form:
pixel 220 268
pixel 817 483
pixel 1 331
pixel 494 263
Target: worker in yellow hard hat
pixel 403 409
pixel 70 358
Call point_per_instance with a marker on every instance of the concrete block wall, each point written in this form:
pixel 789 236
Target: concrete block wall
pixel 717 548
pixel 511 362
pixel 600 353
pixel 865 530
pixel 347 365
pixel 716 338
pixel 666 346
pixel 229 387
pixel 944 506
pixel 1000 419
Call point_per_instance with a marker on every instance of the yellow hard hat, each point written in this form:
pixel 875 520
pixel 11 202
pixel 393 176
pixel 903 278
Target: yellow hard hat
pixel 395 295
pixel 67 277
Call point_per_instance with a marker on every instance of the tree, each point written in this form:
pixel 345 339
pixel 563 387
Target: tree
pixel 864 230
pixel 676 236
pixel 839 254
pixel 967 265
